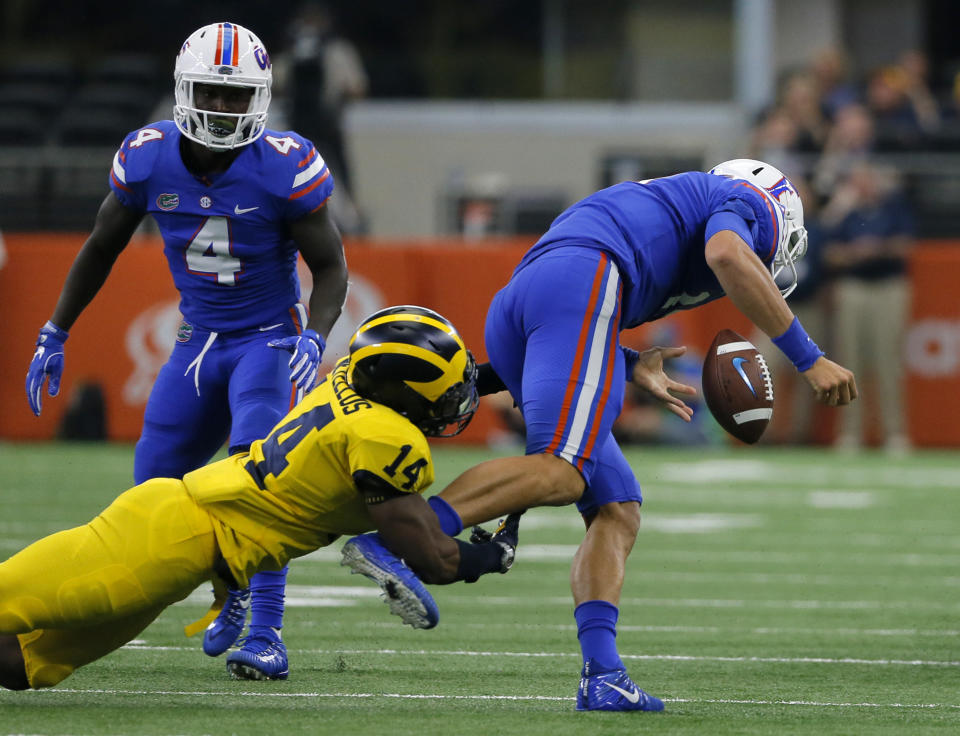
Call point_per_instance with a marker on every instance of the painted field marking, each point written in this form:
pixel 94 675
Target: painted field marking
pixel 427 696
pixel 569 655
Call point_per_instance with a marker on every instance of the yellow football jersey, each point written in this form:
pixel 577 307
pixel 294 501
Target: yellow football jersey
pixel 294 491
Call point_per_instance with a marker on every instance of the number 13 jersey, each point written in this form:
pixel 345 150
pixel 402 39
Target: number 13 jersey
pixel 296 490
pixel 226 236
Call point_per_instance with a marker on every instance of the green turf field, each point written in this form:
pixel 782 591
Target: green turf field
pixel 770 592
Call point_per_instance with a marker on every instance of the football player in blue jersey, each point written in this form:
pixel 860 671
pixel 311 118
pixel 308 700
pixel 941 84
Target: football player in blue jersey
pixel 235 202
pixel 624 256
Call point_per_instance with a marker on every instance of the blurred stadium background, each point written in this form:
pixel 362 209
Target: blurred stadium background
pixel 470 128
pixel 775 590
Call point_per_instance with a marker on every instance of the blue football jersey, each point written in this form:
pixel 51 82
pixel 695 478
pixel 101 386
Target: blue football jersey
pixel 225 236
pixel 656 230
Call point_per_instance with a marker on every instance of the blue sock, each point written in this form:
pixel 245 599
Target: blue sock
pixel 450 520
pixel 266 601
pixel 597 632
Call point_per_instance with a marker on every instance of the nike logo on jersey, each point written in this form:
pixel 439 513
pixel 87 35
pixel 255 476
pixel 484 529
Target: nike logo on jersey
pixel 633 697
pixel 238 211
pixel 271 327
pixel 738 365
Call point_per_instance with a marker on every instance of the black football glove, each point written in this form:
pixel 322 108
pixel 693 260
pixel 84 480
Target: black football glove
pixel 507 536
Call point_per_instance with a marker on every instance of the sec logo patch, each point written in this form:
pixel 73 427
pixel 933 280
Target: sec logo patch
pixel 206 202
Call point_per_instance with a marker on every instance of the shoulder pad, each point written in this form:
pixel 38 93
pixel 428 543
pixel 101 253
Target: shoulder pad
pixel 140 150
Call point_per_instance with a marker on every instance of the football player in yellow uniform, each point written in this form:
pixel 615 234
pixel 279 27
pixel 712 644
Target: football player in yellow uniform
pixel 351 457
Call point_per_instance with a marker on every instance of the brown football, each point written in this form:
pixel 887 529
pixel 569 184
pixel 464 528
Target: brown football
pixel 737 386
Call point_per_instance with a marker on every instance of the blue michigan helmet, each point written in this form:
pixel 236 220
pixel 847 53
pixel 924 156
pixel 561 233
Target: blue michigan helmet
pixel 413 360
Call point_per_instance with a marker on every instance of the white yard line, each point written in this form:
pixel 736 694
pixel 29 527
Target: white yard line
pixel 429 696
pixel 570 655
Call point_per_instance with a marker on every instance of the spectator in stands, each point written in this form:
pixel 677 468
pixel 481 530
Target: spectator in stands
pixel 774 139
pixel 850 140
pixel 801 101
pixel 916 74
pixel 870 234
pixel 899 125
pixel 831 71
pixel 321 73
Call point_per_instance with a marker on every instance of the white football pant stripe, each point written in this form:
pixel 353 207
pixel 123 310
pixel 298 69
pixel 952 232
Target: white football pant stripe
pixel 595 362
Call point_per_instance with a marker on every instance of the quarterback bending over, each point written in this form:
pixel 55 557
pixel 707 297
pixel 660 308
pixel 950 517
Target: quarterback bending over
pixel 626 255
pixel 351 457
pixel 234 202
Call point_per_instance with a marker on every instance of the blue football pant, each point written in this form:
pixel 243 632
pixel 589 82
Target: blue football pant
pixel 552 335
pixel 212 387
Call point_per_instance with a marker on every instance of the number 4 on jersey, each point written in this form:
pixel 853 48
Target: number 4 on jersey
pixel 208 254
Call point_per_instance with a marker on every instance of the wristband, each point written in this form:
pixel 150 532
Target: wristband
pixel 51 329
pixel 796 344
pixel 630 358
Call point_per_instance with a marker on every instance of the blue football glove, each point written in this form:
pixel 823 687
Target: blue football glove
pixel 47 361
pixel 307 349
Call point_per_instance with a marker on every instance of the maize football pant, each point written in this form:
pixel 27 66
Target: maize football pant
pixel 76 595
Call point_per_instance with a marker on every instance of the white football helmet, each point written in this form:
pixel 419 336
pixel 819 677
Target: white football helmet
pixel 792 243
pixel 226 54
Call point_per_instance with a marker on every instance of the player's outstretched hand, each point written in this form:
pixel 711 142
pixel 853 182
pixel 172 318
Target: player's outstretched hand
pixel 648 374
pixel 47 362
pixel 833 384
pixel 307 349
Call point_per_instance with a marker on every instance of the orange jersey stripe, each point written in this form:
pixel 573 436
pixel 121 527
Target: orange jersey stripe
pixel 318 182
pixel 295 316
pixel 120 184
pixel 308 158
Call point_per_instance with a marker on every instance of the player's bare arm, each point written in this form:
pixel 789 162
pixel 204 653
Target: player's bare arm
pixel 747 282
pixel 112 230
pixel 751 288
pixel 409 528
pixel 648 374
pixel 319 242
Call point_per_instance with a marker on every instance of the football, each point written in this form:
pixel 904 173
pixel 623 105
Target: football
pixel 737 386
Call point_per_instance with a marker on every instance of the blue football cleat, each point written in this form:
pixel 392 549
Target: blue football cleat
pixel 612 690
pixel 402 589
pixel 228 625
pixel 261 656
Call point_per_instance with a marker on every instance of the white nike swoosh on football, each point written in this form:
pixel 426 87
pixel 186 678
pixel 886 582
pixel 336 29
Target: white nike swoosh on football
pixel 271 327
pixel 238 211
pixel 633 697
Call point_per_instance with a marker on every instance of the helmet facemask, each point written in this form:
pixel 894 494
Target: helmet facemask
pixel 456 406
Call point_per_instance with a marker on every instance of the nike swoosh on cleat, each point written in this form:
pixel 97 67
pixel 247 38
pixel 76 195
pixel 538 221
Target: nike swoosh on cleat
pixel 633 697
pixel 271 327
pixel 238 211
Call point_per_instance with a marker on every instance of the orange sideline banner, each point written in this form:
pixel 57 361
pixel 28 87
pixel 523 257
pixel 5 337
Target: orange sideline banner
pixel 126 333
